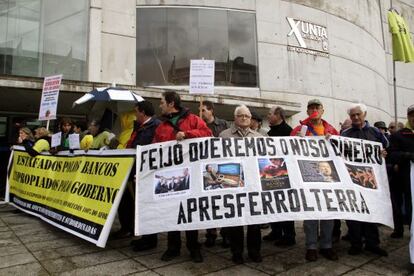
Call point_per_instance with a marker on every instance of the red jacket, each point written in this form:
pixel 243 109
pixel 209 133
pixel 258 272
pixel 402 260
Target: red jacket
pixel 192 125
pixel 328 128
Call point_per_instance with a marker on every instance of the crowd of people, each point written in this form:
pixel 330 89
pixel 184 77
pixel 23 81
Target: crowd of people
pixel 178 123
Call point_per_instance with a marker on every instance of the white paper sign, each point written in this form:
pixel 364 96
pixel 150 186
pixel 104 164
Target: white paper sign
pixel 202 76
pixel 56 139
pixel 212 182
pixel 74 141
pixel 50 95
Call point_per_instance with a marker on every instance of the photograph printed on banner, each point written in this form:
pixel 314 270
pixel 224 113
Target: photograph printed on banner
pixel 172 182
pixel 273 173
pixel 363 176
pixel 318 171
pixel 222 176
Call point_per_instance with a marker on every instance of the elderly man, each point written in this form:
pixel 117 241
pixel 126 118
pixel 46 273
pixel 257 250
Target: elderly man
pixel 179 124
pixel 316 126
pixel 356 229
pixel 401 154
pixel 283 232
pixel 241 128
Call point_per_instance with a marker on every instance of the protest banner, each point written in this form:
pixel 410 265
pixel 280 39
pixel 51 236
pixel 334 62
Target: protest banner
pixel 50 96
pixel 79 193
pixel 213 182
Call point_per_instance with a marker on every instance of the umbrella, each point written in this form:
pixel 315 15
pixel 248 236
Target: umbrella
pixel 109 94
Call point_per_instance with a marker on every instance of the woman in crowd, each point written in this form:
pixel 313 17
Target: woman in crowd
pixel 42 142
pixel 101 137
pixel 25 136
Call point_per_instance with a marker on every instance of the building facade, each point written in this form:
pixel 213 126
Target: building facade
pixel 267 52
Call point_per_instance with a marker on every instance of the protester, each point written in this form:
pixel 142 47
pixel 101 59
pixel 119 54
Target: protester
pixel 241 128
pixel 216 125
pixel 143 134
pixel 256 124
pixel 127 126
pixel 42 142
pixel 346 124
pixel 80 127
pixel 101 137
pixel 283 232
pixel 383 128
pixel 179 124
pixel 402 154
pixel 316 126
pixel 358 230
pixel 25 136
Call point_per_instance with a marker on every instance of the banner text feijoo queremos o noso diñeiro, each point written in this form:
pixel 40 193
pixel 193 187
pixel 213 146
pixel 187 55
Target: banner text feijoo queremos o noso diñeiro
pixel 218 182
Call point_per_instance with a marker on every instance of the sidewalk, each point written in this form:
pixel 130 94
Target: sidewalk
pixel 29 246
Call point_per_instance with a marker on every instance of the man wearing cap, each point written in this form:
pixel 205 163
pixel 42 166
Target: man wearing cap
pixel 383 128
pixel 358 230
pixel 283 232
pixel 316 126
pixel 402 153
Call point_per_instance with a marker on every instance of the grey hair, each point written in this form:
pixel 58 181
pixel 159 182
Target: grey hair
pixel 241 107
pixel 361 106
pixel 278 110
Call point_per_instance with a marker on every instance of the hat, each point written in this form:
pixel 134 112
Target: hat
pixel 410 109
pixel 314 102
pixel 256 116
pixel 380 124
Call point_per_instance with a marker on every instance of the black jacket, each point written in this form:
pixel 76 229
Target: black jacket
pixel 283 129
pixel 401 152
pixel 143 134
pixel 367 133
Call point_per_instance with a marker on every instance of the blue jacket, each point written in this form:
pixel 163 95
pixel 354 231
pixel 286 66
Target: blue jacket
pixel 367 133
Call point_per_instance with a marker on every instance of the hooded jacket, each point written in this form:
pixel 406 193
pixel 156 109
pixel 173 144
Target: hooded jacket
pixel 192 125
pixel 329 129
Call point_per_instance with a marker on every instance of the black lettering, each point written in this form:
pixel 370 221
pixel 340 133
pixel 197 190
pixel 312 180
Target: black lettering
pixel 266 203
pixel 294 200
pixel 191 208
pixel 226 144
pixel 203 207
pixel 280 201
pixel 215 207
pixel 304 202
pixel 240 204
pixel 228 205
pixel 352 200
pixel 329 200
pixel 181 215
pixel 340 195
pixel 318 201
pixel 253 203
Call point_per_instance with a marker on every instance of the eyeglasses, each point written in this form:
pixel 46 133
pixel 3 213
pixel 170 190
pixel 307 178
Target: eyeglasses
pixel 243 116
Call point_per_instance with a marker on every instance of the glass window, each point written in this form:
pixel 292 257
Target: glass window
pixel 39 38
pixel 168 38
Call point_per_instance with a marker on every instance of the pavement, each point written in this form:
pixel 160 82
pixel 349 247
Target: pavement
pixel 29 246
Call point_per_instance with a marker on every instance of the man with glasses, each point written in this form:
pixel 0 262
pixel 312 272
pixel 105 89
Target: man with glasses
pixel 316 126
pixel 241 128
